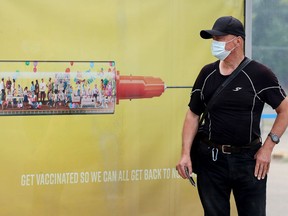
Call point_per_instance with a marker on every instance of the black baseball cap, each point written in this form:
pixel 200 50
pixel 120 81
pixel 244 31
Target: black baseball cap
pixel 223 26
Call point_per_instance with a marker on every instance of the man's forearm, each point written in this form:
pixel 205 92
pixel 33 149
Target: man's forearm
pixel 189 131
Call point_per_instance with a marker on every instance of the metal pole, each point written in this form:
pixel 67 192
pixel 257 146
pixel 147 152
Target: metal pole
pixel 248 28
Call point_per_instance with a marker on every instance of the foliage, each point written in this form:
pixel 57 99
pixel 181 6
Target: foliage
pixel 269 36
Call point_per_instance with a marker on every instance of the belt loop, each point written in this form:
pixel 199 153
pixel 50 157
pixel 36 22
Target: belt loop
pixel 214 154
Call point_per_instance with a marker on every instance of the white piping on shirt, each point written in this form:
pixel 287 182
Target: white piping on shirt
pixel 277 87
pixel 253 105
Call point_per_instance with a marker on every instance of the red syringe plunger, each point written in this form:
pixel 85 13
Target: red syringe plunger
pixel 133 87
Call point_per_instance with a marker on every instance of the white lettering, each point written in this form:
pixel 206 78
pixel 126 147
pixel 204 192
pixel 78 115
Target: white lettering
pixel 84 177
pixel 27 180
pixel 136 175
pixel 96 176
pixel 152 174
pixel 57 178
pixel 110 176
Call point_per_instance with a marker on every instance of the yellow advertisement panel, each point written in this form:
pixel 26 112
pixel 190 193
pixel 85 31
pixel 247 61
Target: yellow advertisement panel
pixel 122 163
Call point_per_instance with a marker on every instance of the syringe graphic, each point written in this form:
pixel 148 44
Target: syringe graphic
pixel 72 87
pixel 137 87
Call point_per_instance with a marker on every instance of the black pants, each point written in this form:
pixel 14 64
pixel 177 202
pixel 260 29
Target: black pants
pixel 42 95
pixel 220 174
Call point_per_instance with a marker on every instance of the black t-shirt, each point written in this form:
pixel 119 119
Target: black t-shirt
pixel 235 117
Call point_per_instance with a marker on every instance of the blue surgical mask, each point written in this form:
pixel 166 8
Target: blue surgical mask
pixel 218 49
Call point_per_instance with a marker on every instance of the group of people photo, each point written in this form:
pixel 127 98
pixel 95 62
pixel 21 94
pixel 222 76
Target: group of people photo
pixel 56 93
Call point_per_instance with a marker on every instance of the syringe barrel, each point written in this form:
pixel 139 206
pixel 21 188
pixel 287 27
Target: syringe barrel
pixel 71 87
pixel 134 87
pixel 68 87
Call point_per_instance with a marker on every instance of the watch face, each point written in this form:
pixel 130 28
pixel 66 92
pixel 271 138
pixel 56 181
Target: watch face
pixel 274 138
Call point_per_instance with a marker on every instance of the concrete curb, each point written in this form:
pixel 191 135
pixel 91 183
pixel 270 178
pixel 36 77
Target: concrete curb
pixel 280 156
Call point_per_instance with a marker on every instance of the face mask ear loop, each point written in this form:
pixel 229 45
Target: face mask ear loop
pixel 233 47
pixel 231 40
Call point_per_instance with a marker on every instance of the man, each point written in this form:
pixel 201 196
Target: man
pixel 95 92
pixel 42 90
pixel 8 86
pixel 2 92
pixel 232 156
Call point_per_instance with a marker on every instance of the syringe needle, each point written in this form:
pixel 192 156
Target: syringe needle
pixel 178 87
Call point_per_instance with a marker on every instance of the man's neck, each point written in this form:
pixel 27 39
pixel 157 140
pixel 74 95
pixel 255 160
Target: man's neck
pixel 230 63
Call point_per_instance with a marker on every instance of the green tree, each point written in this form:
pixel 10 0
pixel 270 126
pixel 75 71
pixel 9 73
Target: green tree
pixel 270 37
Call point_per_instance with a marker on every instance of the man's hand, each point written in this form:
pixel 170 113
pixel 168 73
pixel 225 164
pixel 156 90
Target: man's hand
pixel 189 130
pixel 263 159
pixel 185 161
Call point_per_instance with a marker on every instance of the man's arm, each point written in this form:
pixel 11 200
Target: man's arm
pixel 263 156
pixel 190 128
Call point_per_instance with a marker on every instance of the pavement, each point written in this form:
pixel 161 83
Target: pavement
pixel 277 185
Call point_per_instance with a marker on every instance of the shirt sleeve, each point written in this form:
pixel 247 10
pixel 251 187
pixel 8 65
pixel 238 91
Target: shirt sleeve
pixel 271 92
pixel 196 103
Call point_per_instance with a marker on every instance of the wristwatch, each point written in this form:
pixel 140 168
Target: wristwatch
pixel 274 138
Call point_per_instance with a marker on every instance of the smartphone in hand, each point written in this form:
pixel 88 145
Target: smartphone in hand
pixel 189 177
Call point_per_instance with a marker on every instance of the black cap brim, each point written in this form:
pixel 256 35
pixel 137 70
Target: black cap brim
pixel 207 34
